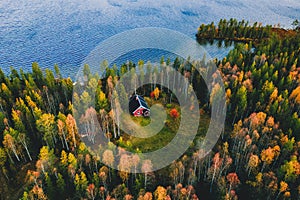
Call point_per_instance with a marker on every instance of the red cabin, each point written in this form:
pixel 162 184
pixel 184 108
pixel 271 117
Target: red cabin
pixel 138 106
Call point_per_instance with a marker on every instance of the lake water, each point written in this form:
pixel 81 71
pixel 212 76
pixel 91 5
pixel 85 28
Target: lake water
pixel 63 32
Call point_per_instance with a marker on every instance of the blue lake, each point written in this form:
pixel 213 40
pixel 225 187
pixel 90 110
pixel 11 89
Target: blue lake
pixel 64 32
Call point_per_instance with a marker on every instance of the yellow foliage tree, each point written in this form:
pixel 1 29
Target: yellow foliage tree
pixel 267 156
pixel 156 93
pixel 295 95
pixel 160 193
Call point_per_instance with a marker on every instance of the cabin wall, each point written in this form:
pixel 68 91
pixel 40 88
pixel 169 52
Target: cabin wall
pixel 138 112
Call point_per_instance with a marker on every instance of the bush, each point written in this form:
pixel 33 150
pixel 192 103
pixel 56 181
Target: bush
pixel 169 105
pixel 174 113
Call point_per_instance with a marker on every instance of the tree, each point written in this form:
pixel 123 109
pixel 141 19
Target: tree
pixel 233 180
pixel 6 94
pixel 16 116
pixel 64 159
pixel 91 191
pixel 120 191
pixel 89 122
pixel 267 156
pixel 216 95
pixel 2 125
pixel 60 183
pixel 103 172
pixel 102 102
pixel 295 24
pixel 148 196
pixel 283 188
pixel 50 80
pixel 252 163
pixel 156 93
pixel 37 192
pixel 72 161
pixel 77 183
pixel 46 159
pixel 83 182
pixel 146 169
pixel 9 144
pixel 241 100
pixel 67 88
pixel 124 167
pixel 295 95
pixel 57 72
pixel 160 193
pixel 122 98
pixel 47 127
pixel 37 74
pixel 135 159
pixel 86 70
pixel 110 87
pixel 71 128
pixel 50 107
pixel 49 186
pixel 217 161
pixel 291 169
pixel 228 96
pixel 108 159
pixel 174 113
pixel 85 101
pixel 96 180
pixel 257 120
pixel 23 139
pixel 3 159
pixel 25 196
pixel 61 133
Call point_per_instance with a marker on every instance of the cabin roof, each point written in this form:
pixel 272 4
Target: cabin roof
pixel 135 102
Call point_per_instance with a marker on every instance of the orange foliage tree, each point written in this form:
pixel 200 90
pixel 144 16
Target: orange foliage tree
pixel 174 113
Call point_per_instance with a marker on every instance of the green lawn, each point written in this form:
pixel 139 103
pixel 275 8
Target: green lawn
pixel 163 137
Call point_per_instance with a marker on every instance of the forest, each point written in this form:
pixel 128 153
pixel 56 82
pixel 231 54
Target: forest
pixel 43 156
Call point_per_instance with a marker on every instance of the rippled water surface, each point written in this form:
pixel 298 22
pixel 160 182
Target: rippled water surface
pixel 64 32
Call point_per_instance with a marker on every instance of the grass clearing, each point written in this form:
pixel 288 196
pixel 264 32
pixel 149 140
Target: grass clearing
pixel 163 137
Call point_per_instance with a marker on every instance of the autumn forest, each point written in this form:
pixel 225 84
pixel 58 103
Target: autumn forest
pixel 43 154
